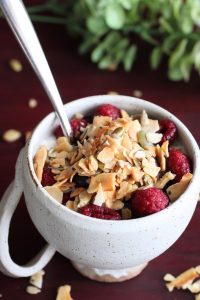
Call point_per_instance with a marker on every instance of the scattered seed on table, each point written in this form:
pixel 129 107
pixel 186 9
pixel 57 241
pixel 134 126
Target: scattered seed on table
pixel 32 103
pixel 32 290
pixel 137 93
pixel 11 135
pixel 15 65
pixel 112 93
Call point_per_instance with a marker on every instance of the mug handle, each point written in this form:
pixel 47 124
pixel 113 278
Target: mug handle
pixel 8 205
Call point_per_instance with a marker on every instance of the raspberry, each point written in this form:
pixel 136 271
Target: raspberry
pixel 148 201
pixel 47 177
pixel 100 212
pixel 108 110
pixel 76 124
pixel 169 131
pixel 178 163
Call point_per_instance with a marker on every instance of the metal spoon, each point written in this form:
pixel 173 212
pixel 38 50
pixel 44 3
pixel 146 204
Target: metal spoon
pixel 22 27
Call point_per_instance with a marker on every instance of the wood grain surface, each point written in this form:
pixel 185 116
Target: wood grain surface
pixel 77 77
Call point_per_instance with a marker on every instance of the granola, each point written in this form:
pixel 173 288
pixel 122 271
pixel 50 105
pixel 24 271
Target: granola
pixel 189 279
pixel 111 159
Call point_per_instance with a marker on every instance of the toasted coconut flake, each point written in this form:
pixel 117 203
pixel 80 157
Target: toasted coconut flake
pixel 144 119
pixel 39 161
pixel 150 151
pixel 181 280
pixel 116 205
pixel 147 181
pixel 150 167
pixel 63 144
pixel 153 138
pixel 100 197
pixel 133 130
pixel 32 290
pixel 137 173
pixel 110 195
pixel 83 164
pixel 52 153
pixel 168 277
pixel 64 293
pixel 37 279
pixel 107 181
pixel 100 121
pixel 151 171
pixel 55 192
pixel 65 175
pixel 114 143
pixel 92 163
pixel 106 155
pixel 70 204
pixel 110 165
pixel 65 187
pixel 197 297
pixel 194 287
pixel 77 191
pixel 160 184
pixel 125 188
pixel 152 126
pixel 77 155
pixel 165 148
pixel 126 142
pixel 62 154
pixel 143 140
pixel 197 269
pixel 140 154
pixel 125 115
pixel 161 158
pixel 57 162
pixel 135 147
pixel 118 132
pixel 84 199
pixel 177 189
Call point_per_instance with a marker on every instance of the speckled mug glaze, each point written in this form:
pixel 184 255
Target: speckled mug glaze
pixel 93 245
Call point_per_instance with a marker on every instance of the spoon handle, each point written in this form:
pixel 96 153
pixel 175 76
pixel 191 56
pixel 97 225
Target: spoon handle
pixel 22 27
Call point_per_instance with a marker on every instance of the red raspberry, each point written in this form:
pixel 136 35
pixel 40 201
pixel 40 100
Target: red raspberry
pixel 148 201
pixel 76 124
pixel 100 212
pixel 108 110
pixel 47 177
pixel 169 130
pixel 178 163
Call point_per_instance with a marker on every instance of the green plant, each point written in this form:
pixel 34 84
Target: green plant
pixel 107 29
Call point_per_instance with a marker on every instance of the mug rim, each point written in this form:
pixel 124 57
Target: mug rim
pixel 195 158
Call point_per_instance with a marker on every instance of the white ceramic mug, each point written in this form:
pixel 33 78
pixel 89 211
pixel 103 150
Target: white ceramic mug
pixel 116 249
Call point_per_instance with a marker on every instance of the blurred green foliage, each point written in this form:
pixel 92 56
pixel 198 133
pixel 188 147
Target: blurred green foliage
pixel 107 30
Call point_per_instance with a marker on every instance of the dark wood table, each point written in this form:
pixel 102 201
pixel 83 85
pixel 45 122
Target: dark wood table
pixel 77 77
